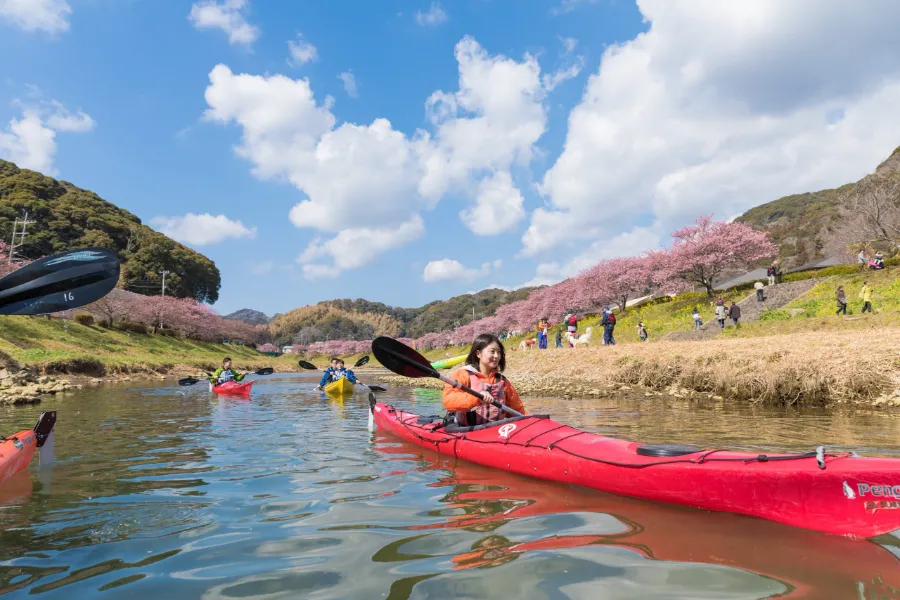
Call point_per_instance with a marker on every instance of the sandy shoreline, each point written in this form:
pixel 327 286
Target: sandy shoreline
pixel 809 369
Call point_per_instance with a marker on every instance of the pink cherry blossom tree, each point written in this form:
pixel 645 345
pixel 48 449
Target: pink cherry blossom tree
pixel 703 251
pixel 614 281
pixel 268 347
pixel 113 307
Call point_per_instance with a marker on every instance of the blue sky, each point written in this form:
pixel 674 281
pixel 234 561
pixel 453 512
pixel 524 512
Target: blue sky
pixel 486 142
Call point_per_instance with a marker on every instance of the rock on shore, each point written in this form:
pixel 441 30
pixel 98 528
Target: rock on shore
pixel 20 386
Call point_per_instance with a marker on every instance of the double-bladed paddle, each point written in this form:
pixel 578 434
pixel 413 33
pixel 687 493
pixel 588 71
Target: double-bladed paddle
pixel 193 380
pixel 60 282
pixel 403 360
pixel 375 388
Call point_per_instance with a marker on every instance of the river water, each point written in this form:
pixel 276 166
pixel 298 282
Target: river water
pixel 158 491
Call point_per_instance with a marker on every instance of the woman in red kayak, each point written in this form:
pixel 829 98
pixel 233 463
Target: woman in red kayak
pixel 483 373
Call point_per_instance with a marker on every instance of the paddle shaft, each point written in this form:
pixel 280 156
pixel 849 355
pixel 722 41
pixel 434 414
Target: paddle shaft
pixel 452 382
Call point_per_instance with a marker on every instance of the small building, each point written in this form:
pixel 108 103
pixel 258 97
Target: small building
pixel 286 349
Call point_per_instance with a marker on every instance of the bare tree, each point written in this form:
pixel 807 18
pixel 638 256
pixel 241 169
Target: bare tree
pixel 875 201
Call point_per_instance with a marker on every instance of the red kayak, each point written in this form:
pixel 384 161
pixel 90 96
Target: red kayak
pixel 232 388
pixel 17 450
pixel 838 493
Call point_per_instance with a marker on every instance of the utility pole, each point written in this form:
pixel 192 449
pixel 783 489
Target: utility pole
pixel 164 273
pixel 21 234
pixel 473 313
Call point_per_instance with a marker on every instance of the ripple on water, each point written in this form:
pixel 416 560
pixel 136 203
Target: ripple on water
pixel 181 494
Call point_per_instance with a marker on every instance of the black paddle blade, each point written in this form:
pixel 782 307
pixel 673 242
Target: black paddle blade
pixel 44 426
pixel 308 366
pixel 59 282
pixel 188 381
pixel 361 361
pixel 377 388
pixel 401 359
pixel 372 401
pixel 266 371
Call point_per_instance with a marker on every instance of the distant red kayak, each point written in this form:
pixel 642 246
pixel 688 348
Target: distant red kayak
pixel 17 449
pixel 232 388
pixel 824 491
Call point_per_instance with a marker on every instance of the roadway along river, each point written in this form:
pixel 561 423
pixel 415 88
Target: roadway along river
pixel 158 491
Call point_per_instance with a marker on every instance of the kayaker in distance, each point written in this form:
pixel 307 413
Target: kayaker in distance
pixel 225 373
pixel 482 373
pixel 335 372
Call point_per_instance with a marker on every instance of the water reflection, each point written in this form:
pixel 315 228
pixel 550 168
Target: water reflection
pixel 159 490
pixel 507 517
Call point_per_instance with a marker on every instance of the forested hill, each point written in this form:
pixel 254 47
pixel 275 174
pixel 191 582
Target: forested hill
pixel 361 319
pixel 816 225
pixel 62 216
pixel 248 315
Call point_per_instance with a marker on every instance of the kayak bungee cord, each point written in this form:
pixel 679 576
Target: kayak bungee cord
pixel 819 454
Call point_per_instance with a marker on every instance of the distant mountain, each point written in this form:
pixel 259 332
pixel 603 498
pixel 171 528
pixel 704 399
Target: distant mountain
pixel 362 319
pixel 812 226
pixel 248 315
pixel 62 216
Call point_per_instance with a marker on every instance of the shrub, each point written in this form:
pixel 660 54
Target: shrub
pixel 826 272
pixel 132 327
pixel 84 319
pixel 775 315
pixel 169 332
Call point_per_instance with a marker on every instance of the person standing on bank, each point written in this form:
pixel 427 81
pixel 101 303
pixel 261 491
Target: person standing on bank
pixel 841 301
pixel 866 295
pixel 734 313
pixel 759 291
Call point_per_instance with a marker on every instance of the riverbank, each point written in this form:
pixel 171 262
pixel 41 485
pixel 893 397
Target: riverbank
pixel 816 368
pixel 41 356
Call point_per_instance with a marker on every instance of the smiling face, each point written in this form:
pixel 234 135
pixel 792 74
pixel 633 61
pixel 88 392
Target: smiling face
pixel 489 356
pixel 226 364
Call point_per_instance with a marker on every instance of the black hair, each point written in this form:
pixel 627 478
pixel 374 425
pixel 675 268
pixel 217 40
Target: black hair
pixel 226 359
pixel 481 342
pixel 335 358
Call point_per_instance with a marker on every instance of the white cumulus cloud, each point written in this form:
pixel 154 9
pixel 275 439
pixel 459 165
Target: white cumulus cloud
pixel 435 15
pixel 490 125
pixel 448 269
pixel 356 247
pixel 499 206
pixel 51 16
pixel 227 15
pixel 720 106
pixel 30 140
pixel 202 230
pixel 382 176
pixel 349 83
pixel 301 51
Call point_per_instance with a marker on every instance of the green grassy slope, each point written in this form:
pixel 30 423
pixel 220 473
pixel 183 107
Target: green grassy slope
pixel 63 345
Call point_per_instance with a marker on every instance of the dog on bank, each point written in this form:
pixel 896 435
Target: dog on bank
pixel 581 340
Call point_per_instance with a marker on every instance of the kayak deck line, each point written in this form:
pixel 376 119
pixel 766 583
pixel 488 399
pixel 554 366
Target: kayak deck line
pixel 834 492
pixel 702 459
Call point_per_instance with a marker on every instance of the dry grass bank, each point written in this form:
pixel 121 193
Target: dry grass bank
pixel 815 368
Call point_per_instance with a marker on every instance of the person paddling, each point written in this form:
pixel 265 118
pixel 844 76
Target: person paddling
pixel 225 373
pixel 335 372
pixel 483 373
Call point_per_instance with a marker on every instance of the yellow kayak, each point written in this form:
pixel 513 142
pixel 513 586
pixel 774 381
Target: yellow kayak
pixel 341 387
pixel 449 362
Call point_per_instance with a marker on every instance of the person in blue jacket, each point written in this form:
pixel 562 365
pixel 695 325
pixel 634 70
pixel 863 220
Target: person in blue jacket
pixel 335 372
